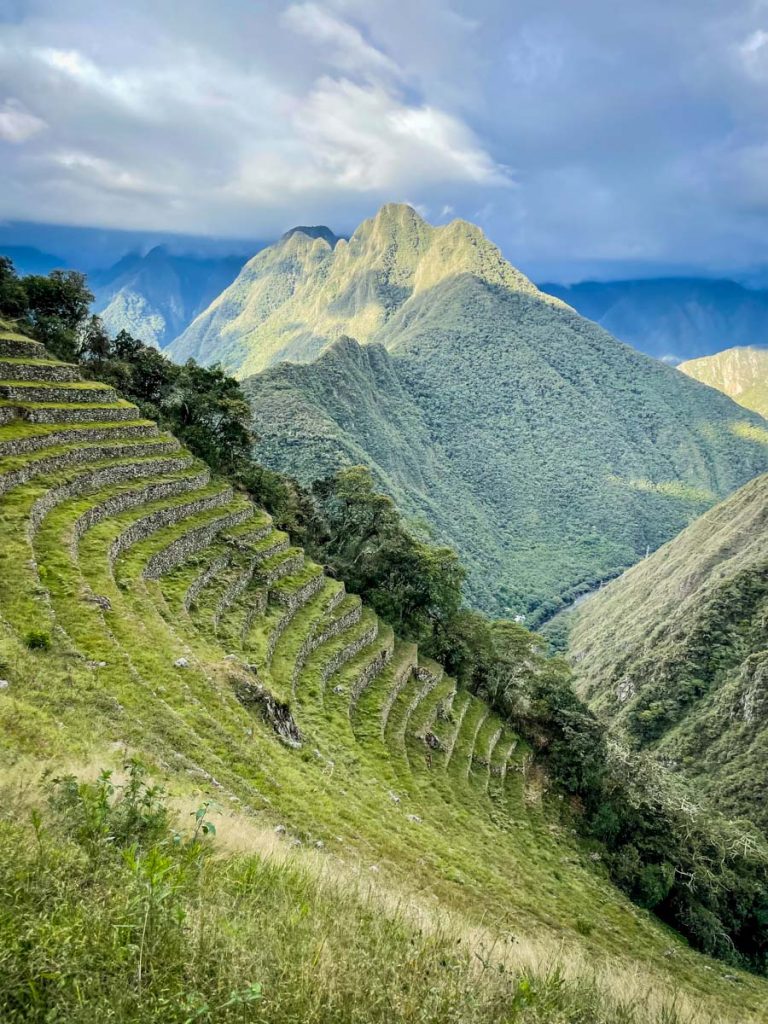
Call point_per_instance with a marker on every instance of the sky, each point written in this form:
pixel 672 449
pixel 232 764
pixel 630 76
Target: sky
pixel 597 136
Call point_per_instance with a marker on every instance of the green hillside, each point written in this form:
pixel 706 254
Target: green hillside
pixel 675 652
pixel 547 454
pixel 292 300
pixel 741 373
pixel 149 610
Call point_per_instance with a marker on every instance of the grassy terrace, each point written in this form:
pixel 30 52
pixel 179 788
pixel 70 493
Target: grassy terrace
pixel 143 613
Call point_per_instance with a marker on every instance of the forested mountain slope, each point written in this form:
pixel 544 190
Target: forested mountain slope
pixel 295 298
pixel 155 296
pixel 547 453
pixel 673 318
pixel 741 373
pixel 675 652
pixel 148 607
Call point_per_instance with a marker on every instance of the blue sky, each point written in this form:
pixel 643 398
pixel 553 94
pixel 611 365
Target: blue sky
pixel 588 135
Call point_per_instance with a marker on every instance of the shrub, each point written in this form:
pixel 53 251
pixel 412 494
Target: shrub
pixel 38 640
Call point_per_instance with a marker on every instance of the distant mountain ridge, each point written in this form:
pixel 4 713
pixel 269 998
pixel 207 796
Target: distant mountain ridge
pixel 675 652
pixel 673 318
pixel 524 435
pixel 155 296
pixel 741 373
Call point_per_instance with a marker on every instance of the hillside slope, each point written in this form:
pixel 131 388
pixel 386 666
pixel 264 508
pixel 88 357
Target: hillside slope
pixel 675 652
pixel 672 318
pixel 741 373
pixel 145 606
pixel 155 296
pixel 295 298
pixel 546 453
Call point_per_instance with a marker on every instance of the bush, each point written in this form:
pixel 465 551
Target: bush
pixel 38 640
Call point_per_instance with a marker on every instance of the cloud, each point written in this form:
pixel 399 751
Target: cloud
pixel 17 124
pixel 628 133
pixel 754 53
pixel 346 45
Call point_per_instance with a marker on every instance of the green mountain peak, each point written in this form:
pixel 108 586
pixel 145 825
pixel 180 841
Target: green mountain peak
pixel 740 372
pixel 277 310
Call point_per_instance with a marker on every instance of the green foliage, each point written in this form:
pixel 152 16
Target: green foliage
pixel 203 407
pixel 362 539
pixel 38 640
pixel 673 654
pixel 52 309
pixel 741 373
pixel 546 454
pixel 111 914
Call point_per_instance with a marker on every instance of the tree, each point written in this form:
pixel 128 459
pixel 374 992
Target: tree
pixel 57 310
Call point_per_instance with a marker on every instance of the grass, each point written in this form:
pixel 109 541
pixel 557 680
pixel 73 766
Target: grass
pixel 419 849
pixel 132 917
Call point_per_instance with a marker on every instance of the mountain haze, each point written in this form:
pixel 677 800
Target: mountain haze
pixel 548 454
pixel 675 652
pixel 673 318
pixel 156 295
pixel 741 373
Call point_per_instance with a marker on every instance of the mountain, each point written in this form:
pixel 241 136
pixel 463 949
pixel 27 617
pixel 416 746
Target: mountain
pixel 225 736
pixel 741 373
pixel 675 652
pixel 295 298
pixel 155 296
pixel 29 260
pixel 673 318
pixel 548 454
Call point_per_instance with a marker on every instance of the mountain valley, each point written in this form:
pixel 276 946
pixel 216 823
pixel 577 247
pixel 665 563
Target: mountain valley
pixel 546 453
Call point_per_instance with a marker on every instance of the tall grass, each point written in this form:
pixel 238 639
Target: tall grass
pixel 109 914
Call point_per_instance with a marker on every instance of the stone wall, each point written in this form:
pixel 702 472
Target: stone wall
pixel 85 435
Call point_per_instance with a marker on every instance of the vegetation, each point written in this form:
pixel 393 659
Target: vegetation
pixel 546 454
pixel 180 624
pixel 113 912
pixel 673 653
pixel 156 295
pixel 359 536
pixel 741 373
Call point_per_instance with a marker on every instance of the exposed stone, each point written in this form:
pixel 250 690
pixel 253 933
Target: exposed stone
pixel 193 540
pixel 625 690
pixel 211 570
pixel 51 371
pixel 399 682
pixel 181 663
pixel 73 413
pixel 4 684
pixel 93 480
pixel 22 349
pixel 372 669
pixel 30 393
pixel 255 696
pixel 79 454
pixel 84 435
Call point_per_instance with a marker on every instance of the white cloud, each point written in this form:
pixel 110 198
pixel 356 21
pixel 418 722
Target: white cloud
pixel 754 53
pixel 347 47
pixel 17 124
pixel 363 138
pixel 105 174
